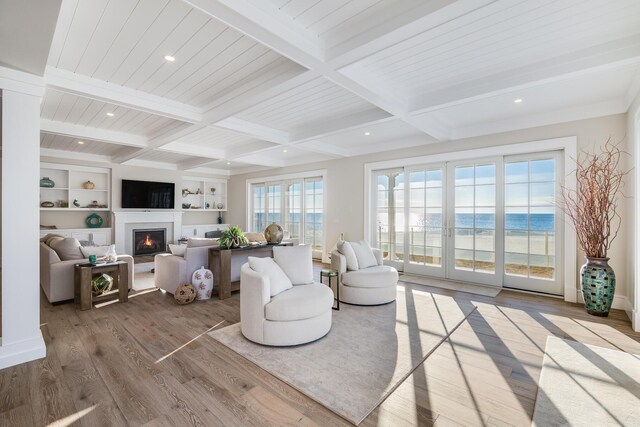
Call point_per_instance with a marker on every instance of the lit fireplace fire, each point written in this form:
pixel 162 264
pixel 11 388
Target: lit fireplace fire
pixel 148 242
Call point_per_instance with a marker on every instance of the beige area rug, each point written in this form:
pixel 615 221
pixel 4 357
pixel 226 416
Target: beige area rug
pixel 488 291
pixel 366 355
pixel 585 385
pixel 143 281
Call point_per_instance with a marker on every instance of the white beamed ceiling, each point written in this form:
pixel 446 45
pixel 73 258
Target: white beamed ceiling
pixel 258 84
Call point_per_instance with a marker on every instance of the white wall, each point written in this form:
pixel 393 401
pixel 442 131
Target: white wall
pixel 345 181
pixel 633 206
pixel 118 173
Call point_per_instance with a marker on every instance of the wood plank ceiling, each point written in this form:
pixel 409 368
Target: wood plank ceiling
pixel 226 87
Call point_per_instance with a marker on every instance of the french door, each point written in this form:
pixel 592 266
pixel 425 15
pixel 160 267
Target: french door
pixel 490 221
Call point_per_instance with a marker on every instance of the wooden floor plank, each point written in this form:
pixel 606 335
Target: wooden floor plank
pixel 150 362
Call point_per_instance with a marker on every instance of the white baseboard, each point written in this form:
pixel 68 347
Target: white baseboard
pixel 22 351
pixel 620 302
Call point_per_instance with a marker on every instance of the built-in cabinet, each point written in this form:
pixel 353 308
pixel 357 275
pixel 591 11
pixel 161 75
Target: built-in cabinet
pixel 198 230
pixel 99 236
pixel 204 194
pixel 77 188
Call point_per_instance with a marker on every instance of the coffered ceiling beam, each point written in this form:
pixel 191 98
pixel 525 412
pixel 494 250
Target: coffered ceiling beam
pixel 95 134
pixel 254 130
pixel 196 151
pixel 194 163
pixel 88 87
pixel 51 153
pixel 353 121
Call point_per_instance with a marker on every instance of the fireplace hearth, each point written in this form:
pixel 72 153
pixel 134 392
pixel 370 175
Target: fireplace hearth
pixel 149 241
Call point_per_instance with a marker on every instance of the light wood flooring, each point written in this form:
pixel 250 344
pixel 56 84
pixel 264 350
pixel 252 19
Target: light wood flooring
pixel 150 362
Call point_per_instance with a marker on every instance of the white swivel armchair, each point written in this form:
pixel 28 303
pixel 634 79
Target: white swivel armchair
pixel 298 315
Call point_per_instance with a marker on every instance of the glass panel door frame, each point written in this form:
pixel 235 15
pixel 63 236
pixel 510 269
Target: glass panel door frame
pixel 383 191
pixel 481 277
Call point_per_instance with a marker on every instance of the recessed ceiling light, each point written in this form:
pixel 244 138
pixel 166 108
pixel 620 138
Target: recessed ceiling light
pixel 169 58
pixel 228 163
pixel 367 133
pixel 284 151
pixel 517 100
pixel 81 142
pixel 110 114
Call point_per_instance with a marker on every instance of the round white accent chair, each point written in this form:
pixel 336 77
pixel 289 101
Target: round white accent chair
pixel 373 285
pixel 298 315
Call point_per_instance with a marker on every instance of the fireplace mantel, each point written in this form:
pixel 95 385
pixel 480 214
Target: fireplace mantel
pixel 122 218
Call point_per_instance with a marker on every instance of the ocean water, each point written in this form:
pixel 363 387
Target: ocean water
pixel 535 222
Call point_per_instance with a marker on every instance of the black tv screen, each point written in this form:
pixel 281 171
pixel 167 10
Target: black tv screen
pixel 147 194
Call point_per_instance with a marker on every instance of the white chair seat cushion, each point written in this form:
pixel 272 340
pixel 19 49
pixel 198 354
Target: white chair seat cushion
pixel 379 276
pixel 299 302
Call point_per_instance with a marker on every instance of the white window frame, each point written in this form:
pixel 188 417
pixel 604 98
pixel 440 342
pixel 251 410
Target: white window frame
pixel 568 147
pixel 321 173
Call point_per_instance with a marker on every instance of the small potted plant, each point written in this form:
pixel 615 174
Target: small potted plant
pixel 593 211
pixel 233 238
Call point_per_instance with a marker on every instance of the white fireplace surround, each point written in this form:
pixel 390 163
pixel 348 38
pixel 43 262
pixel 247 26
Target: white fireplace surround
pixel 124 221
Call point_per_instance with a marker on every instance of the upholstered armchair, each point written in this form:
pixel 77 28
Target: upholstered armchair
pixel 297 315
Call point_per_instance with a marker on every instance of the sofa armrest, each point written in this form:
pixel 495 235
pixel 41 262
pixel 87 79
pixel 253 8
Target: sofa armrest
pixel 379 256
pixel 254 295
pixel 338 262
pixel 171 271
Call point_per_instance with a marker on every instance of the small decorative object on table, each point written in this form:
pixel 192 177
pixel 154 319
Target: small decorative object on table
pixel 101 284
pixel 93 259
pixel 273 233
pixel 47 183
pixel 111 255
pixel 330 274
pixel 233 238
pixel 202 280
pixel 593 210
pixel 47 204
pixel 76 203
pixel 185 294
pixel 94 221
pixel 88 185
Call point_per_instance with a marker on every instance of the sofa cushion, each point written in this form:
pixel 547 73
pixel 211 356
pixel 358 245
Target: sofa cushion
pixel 198 242
pixel 379 276
pixel 299 302
pixel 46 237
pixel 346 249
pixel 296 262
pixel 67 248
pixel 177 250
pixel 98 251
pixel 364 254
pixel 278 280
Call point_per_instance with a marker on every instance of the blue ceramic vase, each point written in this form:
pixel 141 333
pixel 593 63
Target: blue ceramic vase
pixel 598 286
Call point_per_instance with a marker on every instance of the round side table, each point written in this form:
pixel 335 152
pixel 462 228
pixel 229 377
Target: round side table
pixel 330 274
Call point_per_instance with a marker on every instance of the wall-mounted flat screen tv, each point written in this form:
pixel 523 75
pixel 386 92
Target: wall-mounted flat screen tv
pixel 148 194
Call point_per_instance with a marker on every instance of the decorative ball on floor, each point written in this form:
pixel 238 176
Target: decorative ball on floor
pixel 185 294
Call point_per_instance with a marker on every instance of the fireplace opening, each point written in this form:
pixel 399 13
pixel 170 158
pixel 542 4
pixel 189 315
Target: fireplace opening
pixel 149 241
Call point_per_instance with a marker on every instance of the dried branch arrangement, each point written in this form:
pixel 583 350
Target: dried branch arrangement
pixel 593 207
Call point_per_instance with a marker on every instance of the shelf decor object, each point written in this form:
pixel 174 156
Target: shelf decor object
pixel 88 185
pixel 47 183
pixel 273 233
pixel 47 204
pixel 94 221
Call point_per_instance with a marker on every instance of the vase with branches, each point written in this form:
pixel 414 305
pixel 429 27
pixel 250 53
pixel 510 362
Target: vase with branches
pixel 594 210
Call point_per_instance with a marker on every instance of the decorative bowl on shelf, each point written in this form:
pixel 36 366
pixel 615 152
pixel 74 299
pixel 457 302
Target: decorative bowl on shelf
pixel 47 183
pixel 88 185
pixel 47 204
pixel 220 206
pixel 186 205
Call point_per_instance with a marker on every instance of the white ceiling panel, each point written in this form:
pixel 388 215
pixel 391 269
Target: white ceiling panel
pixel 542 104
pixel 64 107
pixel 125 42
pixel 283 156
pixel 88 146
pixel 316 101
pixel 503 36
pixel 163 156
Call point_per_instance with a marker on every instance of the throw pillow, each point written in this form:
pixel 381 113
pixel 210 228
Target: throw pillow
pixel 296 262
pixel 178 250
pixel 53 237
pixel 67 248
pixel 98 251
pixel 346 249
pixel 364 254
pixel 278 280
pixel 198 242
pixel 46 237
pixel 255 237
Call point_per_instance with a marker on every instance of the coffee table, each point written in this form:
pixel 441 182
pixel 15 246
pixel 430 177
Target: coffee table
pixel 83 275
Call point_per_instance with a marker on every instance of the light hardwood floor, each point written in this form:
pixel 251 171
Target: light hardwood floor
pixel 150 362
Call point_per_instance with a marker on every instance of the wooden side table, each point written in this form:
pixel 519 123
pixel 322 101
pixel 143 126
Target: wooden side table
pixel 330 274
pixel 83 275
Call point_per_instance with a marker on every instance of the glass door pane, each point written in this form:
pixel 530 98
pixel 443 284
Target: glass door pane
pixel 530 223
pixel 388 197
pixel 314 214
pixel 259 201
pixel 293 208
pixel 274 200
pixel 473 221
pixel 425 223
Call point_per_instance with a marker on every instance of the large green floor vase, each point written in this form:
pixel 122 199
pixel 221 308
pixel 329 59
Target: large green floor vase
pixel 598 286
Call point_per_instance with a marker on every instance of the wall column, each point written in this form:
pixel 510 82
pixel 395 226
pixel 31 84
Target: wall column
pixel 21 336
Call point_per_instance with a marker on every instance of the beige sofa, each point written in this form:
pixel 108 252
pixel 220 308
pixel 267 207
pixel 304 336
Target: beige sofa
pixel 57 276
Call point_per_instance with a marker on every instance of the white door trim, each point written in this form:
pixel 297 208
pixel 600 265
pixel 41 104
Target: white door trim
pixel 568 145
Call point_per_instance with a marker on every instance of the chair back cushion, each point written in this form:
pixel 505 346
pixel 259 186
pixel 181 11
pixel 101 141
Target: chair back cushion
pixel 67 248
pixel 296 262
pixel 278 280
pixel 364 254
pixel 178 250
pixel 346 249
